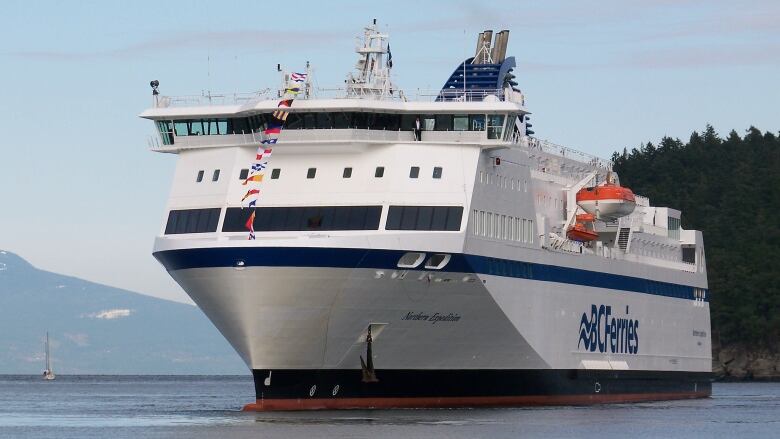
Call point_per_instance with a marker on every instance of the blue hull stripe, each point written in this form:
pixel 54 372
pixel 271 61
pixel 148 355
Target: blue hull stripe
pixel 388 259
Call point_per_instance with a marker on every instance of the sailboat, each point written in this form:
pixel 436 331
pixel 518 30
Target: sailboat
pixel 48 373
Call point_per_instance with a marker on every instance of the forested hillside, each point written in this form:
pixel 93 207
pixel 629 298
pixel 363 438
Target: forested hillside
pixel 730 189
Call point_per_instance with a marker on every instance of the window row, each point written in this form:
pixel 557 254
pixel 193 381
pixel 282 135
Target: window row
pixel 273 219
pixel 493 123
pixel 505 227
pixel 503 182
pixel 201 173
pixel 379 172
pixel 504 267
pixel 192 221
pixel 442 218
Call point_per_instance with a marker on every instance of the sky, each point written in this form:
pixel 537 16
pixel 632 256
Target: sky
pixel 81 194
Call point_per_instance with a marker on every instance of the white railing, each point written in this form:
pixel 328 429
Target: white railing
pixel 208 99
pixel 418 95
pixel 562 151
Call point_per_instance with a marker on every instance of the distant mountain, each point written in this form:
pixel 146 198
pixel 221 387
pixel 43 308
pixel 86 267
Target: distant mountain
pixel 97 329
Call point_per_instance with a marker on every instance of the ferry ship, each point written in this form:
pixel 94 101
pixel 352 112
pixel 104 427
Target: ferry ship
pixel 425 249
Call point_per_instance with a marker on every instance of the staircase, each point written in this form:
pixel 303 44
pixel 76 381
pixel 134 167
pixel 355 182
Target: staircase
pixel 624 237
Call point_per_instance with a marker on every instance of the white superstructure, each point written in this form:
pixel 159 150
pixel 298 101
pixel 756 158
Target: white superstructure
pixel 451 250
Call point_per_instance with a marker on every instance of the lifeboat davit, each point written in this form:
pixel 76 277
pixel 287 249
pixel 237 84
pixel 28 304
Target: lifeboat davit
pixel 581 233
pixel 608 201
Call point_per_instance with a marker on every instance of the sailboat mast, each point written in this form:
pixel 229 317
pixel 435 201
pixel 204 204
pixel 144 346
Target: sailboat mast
pixel 48 363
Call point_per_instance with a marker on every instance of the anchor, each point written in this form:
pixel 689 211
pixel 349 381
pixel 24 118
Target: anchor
pixel 369 375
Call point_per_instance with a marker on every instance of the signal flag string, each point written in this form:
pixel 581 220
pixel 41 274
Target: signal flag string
pixel 265 149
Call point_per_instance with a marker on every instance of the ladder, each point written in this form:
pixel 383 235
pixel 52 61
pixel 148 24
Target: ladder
pixel 624 238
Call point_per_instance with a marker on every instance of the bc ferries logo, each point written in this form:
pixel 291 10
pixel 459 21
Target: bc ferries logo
pixel 601 332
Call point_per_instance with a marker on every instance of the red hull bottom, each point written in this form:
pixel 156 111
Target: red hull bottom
pixel 468 401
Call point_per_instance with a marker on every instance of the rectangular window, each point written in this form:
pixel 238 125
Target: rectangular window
pixel 530 231
pixel 180 128
pixel 311 173
pixel 495 126
pixel 342 120
pixel 482 223
pixel 275 173
pixel 437 218
pixel 414 172
pixel 379 172
pixel 460 123
pixel 215 175
pixel 489 231
pixel 476 122
pixel 475 223
pixel 196 127
pixel 524 231
pixel 192 221
pixel 437 172
pixel 347 173
pixel 443 122
pixel 199 178
pixel 324 121
pixel 166 131
pixel 273 219
pixel 243 174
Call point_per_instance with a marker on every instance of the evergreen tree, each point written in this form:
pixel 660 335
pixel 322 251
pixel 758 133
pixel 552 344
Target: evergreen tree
pixel 730 189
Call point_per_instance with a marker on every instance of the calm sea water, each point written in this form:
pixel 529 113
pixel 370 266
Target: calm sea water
pixel 119 407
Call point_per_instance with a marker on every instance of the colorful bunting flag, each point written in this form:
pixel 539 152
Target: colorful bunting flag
pixel 263 153
pixel 249 193
pixel 258 178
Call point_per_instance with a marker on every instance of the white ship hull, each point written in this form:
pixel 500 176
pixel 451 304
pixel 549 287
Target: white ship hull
pixel 305 324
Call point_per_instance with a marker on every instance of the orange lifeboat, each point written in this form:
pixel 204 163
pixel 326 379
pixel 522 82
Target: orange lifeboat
pixel 608 201
pixel 585 218
pixel 581 233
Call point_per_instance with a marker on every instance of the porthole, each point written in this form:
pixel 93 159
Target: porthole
pixel 411 260
pixel 437 261
pixel 239 265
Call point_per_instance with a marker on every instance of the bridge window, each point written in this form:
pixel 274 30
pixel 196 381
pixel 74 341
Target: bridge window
pixel 342 120
pixel 275 173
pixel 311 172
pixel 495 126
pixel 460 122
pixel 476 122
pixel 199 178
pixel 192 221
pixel 166 131
pixel 347 173
pixel 439 218
pixel 272 219
pixel 243 174
pixel 379 172
pixel 443 122
pixel 414 172
pixel 437 172
pixel 215 176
